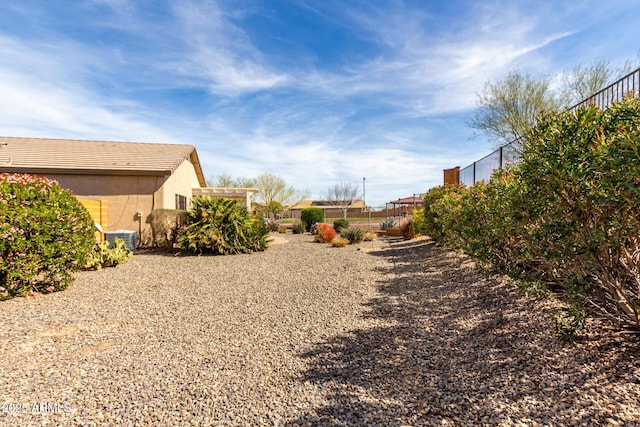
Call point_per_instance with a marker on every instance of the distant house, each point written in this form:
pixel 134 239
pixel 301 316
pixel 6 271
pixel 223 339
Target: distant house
pixel 331 210
pixel 130 179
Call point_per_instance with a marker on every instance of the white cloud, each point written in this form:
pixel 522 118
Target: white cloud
pixel 220 52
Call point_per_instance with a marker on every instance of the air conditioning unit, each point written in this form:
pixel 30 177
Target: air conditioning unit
pixel 129 237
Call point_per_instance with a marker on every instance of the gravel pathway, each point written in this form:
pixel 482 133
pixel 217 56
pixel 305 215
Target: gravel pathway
pixel 306 334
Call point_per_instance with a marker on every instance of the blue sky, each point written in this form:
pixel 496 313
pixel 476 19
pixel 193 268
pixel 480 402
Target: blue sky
pixel 319 92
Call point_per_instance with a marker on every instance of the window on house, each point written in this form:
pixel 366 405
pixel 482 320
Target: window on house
pixel 181 202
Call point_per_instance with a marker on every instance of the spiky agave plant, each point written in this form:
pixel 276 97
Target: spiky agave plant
pixel 222 227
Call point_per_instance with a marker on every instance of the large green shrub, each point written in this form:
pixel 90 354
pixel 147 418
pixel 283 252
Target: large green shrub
pixel 567 215
pixel 222 227
pixel 585 166
pixel 310 216
pixel 45 235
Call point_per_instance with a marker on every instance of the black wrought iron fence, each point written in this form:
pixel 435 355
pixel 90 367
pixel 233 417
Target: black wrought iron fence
pixel 481 170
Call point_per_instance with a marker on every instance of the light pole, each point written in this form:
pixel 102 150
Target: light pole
pixel 364 199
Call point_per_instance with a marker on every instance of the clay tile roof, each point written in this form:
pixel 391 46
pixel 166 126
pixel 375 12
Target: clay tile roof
pixel 42 155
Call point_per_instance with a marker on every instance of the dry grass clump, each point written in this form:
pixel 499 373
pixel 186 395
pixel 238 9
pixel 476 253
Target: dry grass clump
pixel 339 242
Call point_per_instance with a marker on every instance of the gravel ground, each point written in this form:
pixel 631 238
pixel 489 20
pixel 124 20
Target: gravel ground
pixel 305 334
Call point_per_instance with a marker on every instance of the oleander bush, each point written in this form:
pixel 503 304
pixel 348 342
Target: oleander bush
pixel 45 235
pixel 165 225
pixel 325 233
pixel 340 224
pixel 310 216
pixel 222 227
pixel 353 235
pixel 105 256
pixel 568 215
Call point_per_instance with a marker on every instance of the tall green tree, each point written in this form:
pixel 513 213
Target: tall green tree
pixel 224 180
pixel 585 80
pixel 508 107
pixel 272 188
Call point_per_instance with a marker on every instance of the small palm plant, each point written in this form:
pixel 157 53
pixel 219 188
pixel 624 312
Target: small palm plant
pixel 222 227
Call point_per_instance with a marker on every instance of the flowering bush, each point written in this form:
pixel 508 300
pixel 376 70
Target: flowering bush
pixel 45 235
pixel 326 233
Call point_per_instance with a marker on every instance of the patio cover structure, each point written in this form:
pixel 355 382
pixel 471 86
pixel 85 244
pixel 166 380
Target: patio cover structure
pixel 229 193
pixel 414 202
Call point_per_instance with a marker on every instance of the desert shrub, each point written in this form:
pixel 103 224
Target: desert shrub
pixel 282 230
pixel 310 216
pixel 325 234
pixel 441 214
pixel 568 215
pixel 353 235
pixel 584 168
pixel 104 256
pixel 370 236
pixel 418 221
pixel 387 224
pixel 45 235
pixel 273 225
pixel 298 227
pixel 340 224
pixel 408 232
pixel 165 224
pixel 222 227
pixel 339 242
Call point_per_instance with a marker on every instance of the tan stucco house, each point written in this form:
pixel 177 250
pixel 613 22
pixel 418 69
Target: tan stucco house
pixel 132 179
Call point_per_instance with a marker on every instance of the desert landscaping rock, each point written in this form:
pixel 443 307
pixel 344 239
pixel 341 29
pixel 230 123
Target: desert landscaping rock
pixel 306 334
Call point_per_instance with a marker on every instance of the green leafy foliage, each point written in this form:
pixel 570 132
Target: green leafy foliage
pixel 353 235
pixel 568 215
pixel 340 224
pixel 310 216
pixel 45 235
pixel 104 256
pixel 222 227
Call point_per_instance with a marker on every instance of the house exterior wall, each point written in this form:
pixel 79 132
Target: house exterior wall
pixel 126 196
pixel 181 182
pixel 131 198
